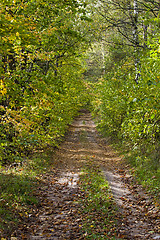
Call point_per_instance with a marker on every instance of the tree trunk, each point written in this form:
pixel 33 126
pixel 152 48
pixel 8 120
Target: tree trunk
pixel 136 41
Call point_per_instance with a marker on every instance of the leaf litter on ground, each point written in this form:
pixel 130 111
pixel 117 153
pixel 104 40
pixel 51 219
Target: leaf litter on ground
pixel 72 205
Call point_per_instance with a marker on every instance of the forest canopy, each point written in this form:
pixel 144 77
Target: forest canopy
pixel 41 72
pixel 56 56
pixel 126 57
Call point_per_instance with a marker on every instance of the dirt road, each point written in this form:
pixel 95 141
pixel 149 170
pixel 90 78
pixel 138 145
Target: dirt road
pixel 58 216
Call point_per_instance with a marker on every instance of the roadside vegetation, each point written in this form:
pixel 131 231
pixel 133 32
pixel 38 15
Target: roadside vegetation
pixel 42 86
pixel 19 200
pixel 128 114
pixel 126 83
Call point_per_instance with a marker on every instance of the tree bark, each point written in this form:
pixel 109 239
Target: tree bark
pixel 136 40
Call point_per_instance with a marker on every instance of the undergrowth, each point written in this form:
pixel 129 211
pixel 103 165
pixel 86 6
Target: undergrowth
pixel 18 201
pixel 146 172
pixel 143 166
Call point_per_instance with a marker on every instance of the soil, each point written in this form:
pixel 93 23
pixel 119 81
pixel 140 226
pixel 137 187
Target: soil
pixel 58 216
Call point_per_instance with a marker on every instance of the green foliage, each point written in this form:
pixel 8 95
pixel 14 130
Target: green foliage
pixel 125 106
pixel 39 118
pixel 146 172
pixel 130 112
pixel 41 85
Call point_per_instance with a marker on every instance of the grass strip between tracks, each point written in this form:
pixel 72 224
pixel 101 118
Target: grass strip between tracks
pixel 99 211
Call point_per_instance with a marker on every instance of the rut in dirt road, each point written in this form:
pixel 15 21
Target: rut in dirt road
pixel 59 218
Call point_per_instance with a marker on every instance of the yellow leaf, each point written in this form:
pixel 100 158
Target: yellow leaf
pixel 3 90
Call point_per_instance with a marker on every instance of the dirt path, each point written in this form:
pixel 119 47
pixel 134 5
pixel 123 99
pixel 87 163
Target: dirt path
pixel 58 216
